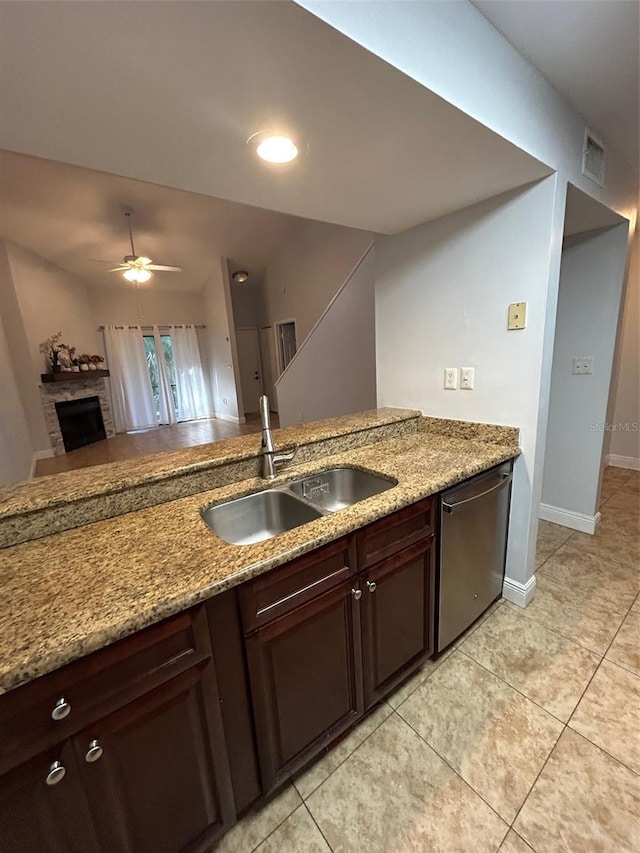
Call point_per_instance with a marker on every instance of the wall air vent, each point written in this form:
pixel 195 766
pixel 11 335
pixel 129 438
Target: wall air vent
pixel 593 154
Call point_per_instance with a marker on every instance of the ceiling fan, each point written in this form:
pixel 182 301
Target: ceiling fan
pixel 138 268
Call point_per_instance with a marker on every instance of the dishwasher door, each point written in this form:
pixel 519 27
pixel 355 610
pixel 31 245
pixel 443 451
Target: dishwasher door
pixel 473 540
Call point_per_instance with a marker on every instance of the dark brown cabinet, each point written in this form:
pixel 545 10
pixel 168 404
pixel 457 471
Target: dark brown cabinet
pixel 305 680
pixel 329 635
pixel 397 609
pixel 149 773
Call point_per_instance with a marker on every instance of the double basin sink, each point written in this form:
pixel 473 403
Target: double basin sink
pixel 265 514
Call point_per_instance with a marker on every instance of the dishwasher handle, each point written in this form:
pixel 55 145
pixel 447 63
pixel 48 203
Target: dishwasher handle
pixel 458 505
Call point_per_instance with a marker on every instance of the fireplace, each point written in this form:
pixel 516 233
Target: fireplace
pixel 80 422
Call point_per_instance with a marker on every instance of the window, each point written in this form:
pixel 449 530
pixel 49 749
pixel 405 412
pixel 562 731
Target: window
pixel 152 366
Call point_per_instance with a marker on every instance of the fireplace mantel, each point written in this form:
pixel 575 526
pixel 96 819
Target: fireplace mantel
pixel 73 375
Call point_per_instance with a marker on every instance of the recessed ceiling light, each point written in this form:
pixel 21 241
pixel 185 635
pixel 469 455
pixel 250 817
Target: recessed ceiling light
pixel 277 149
pixel 240 276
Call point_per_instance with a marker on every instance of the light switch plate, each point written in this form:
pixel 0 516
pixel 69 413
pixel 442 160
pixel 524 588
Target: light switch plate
pixel 467 378
pixel 517 315
pixel 451 378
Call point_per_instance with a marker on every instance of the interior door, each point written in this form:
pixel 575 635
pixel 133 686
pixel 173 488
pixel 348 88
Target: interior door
pixel 250 370
pixel 269 366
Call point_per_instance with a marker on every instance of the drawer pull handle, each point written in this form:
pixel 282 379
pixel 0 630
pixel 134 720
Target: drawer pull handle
pixel 371 586
pixel 56 773
pixel 357 593
pixel 94 752
pixel 61 709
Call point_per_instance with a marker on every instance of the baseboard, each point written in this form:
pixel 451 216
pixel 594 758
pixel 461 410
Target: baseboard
pixel 519 593
pixel 629 462
pixel 234 419
pixel 568 518
pixel 39 454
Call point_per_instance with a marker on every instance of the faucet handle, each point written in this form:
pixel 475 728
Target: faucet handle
pixel 282 458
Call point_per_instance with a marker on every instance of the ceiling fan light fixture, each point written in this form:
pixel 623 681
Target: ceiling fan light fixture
pixel 240 276
pixel 138 276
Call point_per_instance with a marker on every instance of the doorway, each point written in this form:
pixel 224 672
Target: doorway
pixel 250 368
pixel 287 344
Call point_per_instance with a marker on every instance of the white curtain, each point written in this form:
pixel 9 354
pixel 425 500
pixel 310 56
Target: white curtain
pixel 190 385
pixel 167 409
pixel 131 393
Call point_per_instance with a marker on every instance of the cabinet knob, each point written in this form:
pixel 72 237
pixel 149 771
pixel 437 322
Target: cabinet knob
pixel 61 709
pixel 357 593
pixel 56 773
pixel 371 586
pixel 94 752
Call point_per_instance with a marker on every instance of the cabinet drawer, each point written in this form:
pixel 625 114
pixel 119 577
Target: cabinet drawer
pixel 281 590
pixel 396 531
pixel 101 682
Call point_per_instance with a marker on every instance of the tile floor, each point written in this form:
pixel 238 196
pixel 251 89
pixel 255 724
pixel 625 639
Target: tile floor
pixel 131 444
pixel 523 737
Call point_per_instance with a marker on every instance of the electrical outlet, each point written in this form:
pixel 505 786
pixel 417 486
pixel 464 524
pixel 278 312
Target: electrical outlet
pixel 451 378
pixel 467 378
pixel 225 402
pixel 583 365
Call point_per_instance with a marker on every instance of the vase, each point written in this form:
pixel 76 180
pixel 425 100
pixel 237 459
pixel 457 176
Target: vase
pixel 56 368
pixel 84 367
pixel 92 367
pixel 75 368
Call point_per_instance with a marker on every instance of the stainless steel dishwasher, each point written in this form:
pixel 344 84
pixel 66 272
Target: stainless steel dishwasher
pixel 473 540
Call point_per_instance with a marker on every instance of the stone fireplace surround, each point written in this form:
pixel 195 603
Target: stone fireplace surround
pixel 56 392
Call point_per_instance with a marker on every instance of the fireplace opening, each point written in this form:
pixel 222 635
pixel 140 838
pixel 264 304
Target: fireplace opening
pixel 80 422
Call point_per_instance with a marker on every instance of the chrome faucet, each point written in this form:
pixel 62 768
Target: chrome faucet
pixel 271 459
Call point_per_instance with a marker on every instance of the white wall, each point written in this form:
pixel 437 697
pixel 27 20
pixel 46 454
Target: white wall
pixel 442 294
pixel 624 440
pixel 148 307
pixel 16 449
pixel 591 279
pixel 20 353
pixel 249 303
pixel 220 342
pixel 51 299
pixel 334 371
pixel 452 49
pixel 309 269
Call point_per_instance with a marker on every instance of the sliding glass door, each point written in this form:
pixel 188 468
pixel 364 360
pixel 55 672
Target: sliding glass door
pixel 153 367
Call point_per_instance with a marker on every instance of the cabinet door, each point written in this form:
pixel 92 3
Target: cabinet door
pixel 47 818
pixel 156 770
pixel 397 618
pixel 306 682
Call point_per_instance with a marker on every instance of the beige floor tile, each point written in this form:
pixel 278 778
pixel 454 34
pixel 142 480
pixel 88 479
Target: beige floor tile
pixel 298 834
pixel 636 605
pixel 586 618
pixel 514 844
pixel 257 825
pixel 407 687
pixel 625 499
pixel 608 713
pixel 625 649
pixel 395 793
pixel 494 737
pixel 478 622
pixel 546 667
pixel 321 769
pixel 610 538
pixel 550 538
pixel 584 800
pixel 632 484
pixel 613 474
pixel 597 576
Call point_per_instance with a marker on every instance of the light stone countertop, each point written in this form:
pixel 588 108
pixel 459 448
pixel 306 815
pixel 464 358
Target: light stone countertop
pixel 71 593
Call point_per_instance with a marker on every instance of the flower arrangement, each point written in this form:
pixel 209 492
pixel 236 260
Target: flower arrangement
pixel 63 357
pixel 51 350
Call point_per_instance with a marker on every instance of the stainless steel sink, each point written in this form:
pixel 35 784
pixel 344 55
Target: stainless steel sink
pixel 263 515
pixel 257 517
pixel 340 487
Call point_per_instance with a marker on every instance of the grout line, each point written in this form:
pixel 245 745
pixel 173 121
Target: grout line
pixel 451 767
pixel 260 809
pixel 309 812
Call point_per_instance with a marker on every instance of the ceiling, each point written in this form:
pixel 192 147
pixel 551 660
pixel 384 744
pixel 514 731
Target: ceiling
pixel 169 92
pixel 589 51
pixel 584 214
pixel 74 218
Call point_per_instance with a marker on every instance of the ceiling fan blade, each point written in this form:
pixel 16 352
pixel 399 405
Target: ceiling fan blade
pixel 120 269
pixel 162 267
